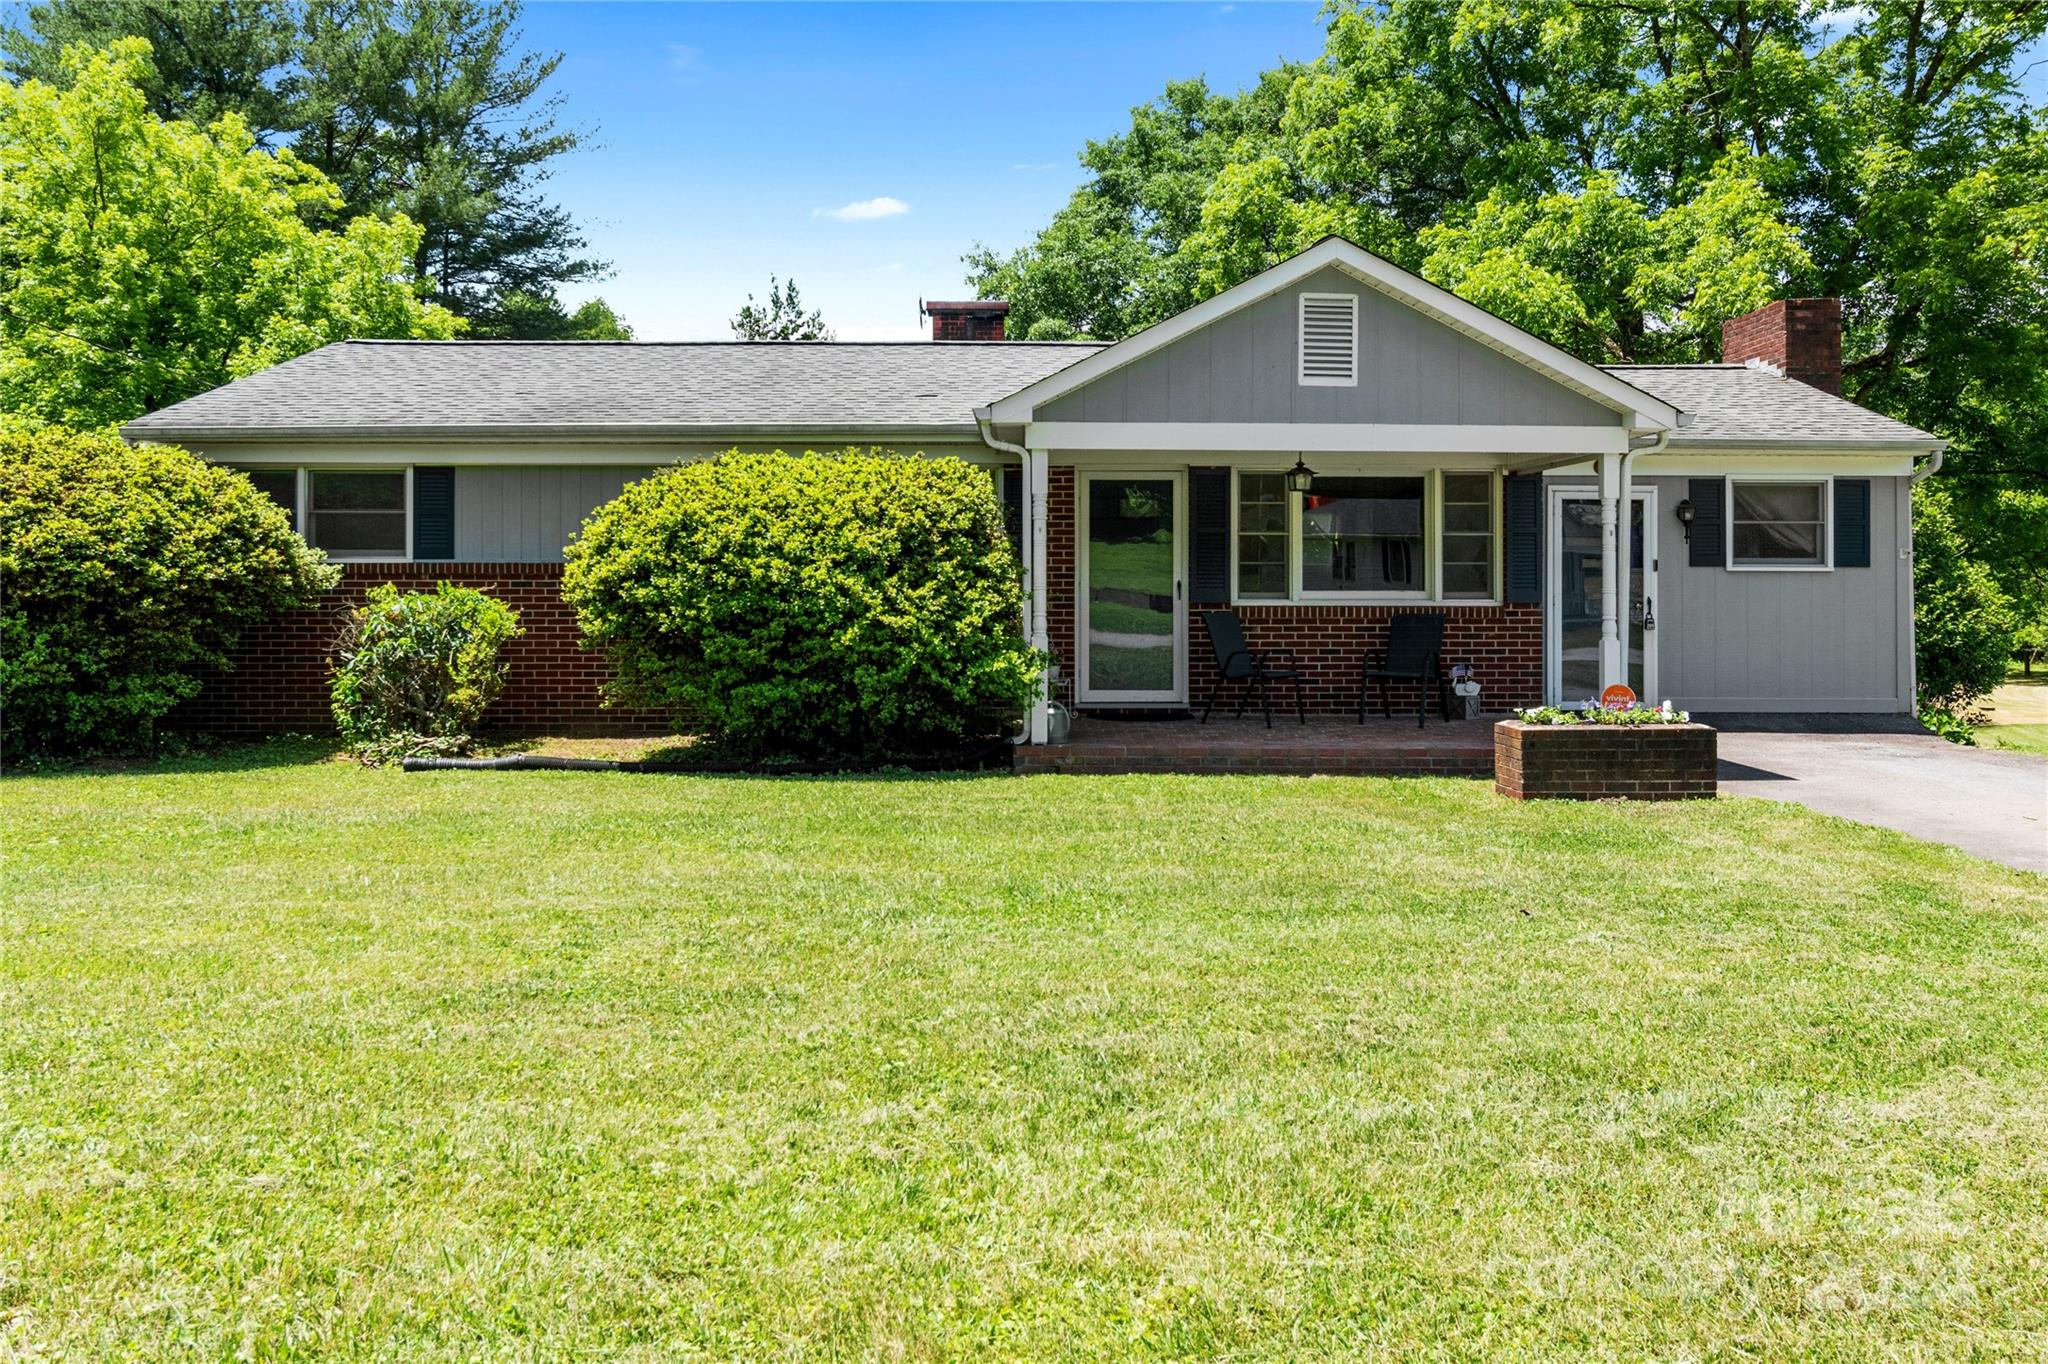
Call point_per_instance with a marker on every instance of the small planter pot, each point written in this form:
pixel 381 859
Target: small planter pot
pixel 1604 762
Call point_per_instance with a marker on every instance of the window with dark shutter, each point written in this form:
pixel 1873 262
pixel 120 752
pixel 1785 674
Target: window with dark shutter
pixel 433 513
pixel 1709 529
pixel 1522 495
pixel 1209 535
pixel 1852 523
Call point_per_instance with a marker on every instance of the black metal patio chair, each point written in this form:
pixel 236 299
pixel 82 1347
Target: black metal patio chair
pixel 1235 662
pixel 1415 643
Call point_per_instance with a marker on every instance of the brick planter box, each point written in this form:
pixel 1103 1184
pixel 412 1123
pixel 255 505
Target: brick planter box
pixel 1603 762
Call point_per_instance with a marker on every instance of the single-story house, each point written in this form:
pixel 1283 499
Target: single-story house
pixel 1327 444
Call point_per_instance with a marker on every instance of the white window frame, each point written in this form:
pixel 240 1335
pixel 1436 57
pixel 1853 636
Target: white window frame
pixel 347 556
pixel 1301 374
pixel 1432 548
pixel 1827 523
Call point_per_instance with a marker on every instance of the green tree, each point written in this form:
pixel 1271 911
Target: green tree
pixel 1107 264
pixel 1962 623
pixel 523 317
pixel 427 108
pixel 143 261
pixel 782 318
pixel 1673 164
pixel 208 57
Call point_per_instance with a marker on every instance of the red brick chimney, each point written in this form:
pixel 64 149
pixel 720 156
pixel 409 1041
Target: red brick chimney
pixel 1801 336
pixel 978 320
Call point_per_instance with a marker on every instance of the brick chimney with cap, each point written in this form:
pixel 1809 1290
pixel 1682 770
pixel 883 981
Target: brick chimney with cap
pixel 1800 336
pixel 976 320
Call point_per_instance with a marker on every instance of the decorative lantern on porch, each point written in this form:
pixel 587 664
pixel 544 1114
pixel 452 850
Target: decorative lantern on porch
pixel 1300 478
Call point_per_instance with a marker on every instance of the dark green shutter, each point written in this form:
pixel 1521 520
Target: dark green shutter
pixel 1209 535
pixel 1013 507
pixel 1852 523
pixel 1522 495
pixel 1709 524
pixel 433 513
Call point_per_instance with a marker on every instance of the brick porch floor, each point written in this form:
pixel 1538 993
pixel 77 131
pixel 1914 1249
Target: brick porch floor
pixel 1330 745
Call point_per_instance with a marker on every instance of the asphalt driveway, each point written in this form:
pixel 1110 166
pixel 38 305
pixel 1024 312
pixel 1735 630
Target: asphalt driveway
pixel 1990 802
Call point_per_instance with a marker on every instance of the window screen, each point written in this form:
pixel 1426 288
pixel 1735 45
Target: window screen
pixel 358 512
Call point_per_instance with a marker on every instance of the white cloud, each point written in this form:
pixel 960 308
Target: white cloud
pixel 864 210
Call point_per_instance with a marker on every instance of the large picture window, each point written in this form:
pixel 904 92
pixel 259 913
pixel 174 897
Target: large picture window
pixel 1427 535
pixel 1363 535
pixel 1777 524
pixel 357 513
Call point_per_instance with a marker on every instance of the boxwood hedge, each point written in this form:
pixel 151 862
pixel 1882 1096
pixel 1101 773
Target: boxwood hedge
pixel 845 604
pixel 125 575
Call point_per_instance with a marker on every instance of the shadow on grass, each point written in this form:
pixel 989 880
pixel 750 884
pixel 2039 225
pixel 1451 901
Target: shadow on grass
pixel 289 750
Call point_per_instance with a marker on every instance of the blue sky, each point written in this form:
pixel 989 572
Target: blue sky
pixel 726 136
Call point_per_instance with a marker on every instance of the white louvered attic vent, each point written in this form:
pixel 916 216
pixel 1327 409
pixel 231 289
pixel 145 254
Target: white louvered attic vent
pixel 1329 339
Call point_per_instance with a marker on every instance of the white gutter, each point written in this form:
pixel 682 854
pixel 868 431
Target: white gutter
pixel 1932 466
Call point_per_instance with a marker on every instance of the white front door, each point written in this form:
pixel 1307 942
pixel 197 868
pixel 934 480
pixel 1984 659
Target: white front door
pixel 1129 583
pixel 1571 597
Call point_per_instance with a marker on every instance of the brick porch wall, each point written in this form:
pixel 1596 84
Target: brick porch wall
pixel 1503 643
pixel 279 683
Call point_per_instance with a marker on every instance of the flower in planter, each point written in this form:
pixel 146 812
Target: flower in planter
pixel 1595 715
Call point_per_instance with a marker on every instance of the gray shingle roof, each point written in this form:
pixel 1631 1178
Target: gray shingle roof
pixel 612 387
pixel 593 388
pixel 1744 405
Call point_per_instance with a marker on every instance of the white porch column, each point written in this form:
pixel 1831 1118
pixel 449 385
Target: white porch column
pixel 1037 487
pixel 1613 651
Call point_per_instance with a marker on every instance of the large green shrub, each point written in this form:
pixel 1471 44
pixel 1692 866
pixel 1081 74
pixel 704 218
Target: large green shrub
pixel 125 575
pixel 842 604
pixel 415 671
pixel 1962 623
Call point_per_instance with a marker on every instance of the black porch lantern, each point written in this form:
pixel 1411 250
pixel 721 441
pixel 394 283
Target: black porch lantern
pixel 1300 478
pixel 1684 510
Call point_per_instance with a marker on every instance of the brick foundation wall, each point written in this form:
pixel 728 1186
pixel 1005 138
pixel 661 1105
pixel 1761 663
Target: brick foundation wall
pixel 1331 643
pixel 279 683
pixel 1604 762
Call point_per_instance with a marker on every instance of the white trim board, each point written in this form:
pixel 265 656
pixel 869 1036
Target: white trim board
pixel 1213 438
pixel 1642 410
pixel 1816 464
pixel 473 454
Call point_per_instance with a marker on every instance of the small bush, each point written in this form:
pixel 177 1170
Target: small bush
pixel 415 671
pixel 838 605
pixel 126 574
pixel 1958 727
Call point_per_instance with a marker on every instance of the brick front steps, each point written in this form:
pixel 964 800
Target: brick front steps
pixel 1326 745
pixel 1604 762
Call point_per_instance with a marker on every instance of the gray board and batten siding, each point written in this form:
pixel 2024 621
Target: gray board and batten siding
pixel 1734 641
pixel 1411 369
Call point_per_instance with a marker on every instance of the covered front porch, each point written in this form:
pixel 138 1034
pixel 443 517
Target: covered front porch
pixel 1327 745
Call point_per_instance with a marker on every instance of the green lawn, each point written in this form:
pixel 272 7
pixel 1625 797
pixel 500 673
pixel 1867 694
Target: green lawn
pixel 2018 713
pixel 300 1060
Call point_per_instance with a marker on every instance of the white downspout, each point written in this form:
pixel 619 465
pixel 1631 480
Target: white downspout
pixel 1037 482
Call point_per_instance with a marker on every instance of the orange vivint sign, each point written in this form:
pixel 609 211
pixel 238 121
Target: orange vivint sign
pixel 1617 697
